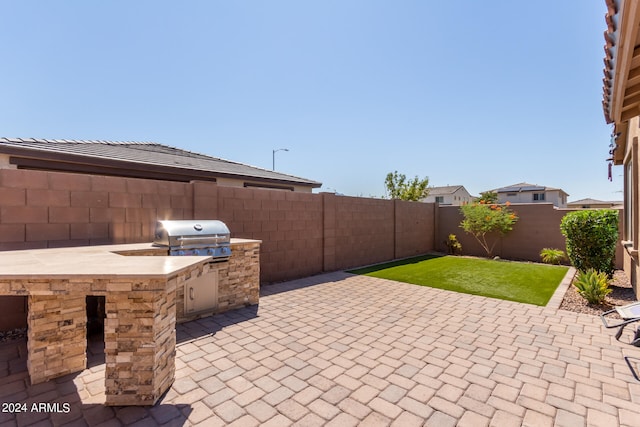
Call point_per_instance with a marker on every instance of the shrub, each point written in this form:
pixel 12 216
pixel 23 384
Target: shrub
pixel 592 285
pixel 591 239
pixel 453 246
pixel 552 256
pixel 487 222
pixel 488 197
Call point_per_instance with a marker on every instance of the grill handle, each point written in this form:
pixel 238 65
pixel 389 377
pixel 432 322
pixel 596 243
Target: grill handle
pixel 201 239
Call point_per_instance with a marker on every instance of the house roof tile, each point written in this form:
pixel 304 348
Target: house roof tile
pixel 143 153
pixel 610 38
pixel 525 186
pixel 439 191
pixel 589 201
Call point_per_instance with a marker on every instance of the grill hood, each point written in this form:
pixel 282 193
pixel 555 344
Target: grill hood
pixel 183 237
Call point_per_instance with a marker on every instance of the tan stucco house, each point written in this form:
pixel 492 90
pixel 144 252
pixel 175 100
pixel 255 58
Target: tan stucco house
pixel 621 105
pixel 452 195
pixel 594 204
pixel 524 192
pixel 140 160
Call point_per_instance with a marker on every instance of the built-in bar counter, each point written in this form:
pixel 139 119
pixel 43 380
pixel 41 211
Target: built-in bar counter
pixel 140 285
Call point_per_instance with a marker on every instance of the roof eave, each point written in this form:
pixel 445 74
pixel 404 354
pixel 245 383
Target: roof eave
pixel 620 38
pixel 147 170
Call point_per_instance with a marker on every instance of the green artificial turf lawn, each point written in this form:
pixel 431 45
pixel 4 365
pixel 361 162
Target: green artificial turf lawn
pixel 508 280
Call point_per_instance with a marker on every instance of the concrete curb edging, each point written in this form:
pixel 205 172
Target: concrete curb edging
pixel 558 295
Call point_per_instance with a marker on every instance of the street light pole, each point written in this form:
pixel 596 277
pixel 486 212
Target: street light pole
pixel 273 158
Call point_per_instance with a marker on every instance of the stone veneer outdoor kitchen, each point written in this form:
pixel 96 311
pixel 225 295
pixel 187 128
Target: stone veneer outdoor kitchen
pixel 143 302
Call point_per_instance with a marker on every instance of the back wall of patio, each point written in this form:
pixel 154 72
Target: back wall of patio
pixel 303 234
pixel 538 227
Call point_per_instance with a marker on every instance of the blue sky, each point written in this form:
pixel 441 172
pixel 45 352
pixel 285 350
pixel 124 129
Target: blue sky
pixel 482 94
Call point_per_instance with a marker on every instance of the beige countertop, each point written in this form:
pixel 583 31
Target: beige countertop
pixel 95 262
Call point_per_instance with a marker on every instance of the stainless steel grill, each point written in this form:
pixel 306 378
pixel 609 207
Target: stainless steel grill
pixel 194 237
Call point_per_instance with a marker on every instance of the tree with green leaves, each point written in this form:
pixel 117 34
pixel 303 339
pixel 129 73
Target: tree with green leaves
pixel 488 197
pixel 487 222
pixel 398 187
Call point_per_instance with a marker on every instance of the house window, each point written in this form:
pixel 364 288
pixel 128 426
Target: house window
pixel 439 199
pixel 538 197
pixel 511 194
pixel 628 202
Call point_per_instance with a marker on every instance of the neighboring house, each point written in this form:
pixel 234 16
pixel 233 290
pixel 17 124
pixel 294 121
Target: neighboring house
pixel 593 204
pixel 621 105
pixel 530 193
pixel 140 160
pixel 454 195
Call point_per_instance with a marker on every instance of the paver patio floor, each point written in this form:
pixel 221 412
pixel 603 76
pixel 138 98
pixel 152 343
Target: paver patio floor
pixel 347 350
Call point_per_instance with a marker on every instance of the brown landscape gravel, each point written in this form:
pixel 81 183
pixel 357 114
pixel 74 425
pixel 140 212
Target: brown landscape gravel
pixel 622 294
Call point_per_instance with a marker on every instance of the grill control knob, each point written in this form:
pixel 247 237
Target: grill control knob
pixel 210 251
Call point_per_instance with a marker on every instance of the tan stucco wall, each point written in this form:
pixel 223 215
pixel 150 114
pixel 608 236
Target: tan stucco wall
pixel 240 183
pixel 604 205
pixel 551 196
pixel 4 162
pixel 631 244
pixel 457 198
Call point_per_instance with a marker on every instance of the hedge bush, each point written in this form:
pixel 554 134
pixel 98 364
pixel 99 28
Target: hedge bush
pixel 592 236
